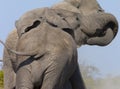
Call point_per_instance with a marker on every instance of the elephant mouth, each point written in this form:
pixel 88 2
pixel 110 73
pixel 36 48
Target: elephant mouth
pixel 100 28
pixel 103 37
pixel 103 32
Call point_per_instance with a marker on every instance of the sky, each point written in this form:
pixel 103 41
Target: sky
pixel 106 59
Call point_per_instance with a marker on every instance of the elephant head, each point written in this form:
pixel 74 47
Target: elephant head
pixel 91 24
pixel 96 29
pixel 96 26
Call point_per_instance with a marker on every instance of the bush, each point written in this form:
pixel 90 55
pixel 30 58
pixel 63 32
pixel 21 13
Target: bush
pixel 1 80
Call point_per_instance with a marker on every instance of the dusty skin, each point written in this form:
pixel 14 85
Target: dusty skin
pixel 53 35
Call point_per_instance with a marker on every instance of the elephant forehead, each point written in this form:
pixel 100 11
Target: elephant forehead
pixel 93 21
pixel 62 18
pixel 85 6
pixel 65 6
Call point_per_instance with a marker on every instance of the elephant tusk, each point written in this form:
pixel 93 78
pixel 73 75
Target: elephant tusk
pixel 102 41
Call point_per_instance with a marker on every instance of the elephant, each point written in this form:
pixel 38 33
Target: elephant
pixel 53 35
pixel 88 11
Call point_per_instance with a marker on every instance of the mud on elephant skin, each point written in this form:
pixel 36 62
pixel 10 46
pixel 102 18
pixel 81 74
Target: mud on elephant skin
pixel 94 27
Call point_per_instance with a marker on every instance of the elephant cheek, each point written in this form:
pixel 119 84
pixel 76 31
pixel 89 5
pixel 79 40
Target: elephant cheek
pixel 102 41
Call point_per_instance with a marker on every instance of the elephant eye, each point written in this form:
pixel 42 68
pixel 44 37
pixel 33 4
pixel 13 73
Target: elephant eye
pixel 100 10
pixel 35 24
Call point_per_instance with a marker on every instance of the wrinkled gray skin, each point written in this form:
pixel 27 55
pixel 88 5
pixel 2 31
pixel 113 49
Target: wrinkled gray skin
pixel 53 39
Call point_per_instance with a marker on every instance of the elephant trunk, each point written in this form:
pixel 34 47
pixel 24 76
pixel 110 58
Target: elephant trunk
pixel 110 22
pixel 102 41
pixel 105 30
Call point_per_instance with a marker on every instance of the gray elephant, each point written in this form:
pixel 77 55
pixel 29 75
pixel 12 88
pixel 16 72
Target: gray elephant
pixel 54 42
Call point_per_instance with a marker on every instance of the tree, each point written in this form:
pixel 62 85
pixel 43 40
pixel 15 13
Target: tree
pixel 89 72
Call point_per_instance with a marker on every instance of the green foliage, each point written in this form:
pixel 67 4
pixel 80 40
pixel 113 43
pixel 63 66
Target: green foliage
pixel 1 80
